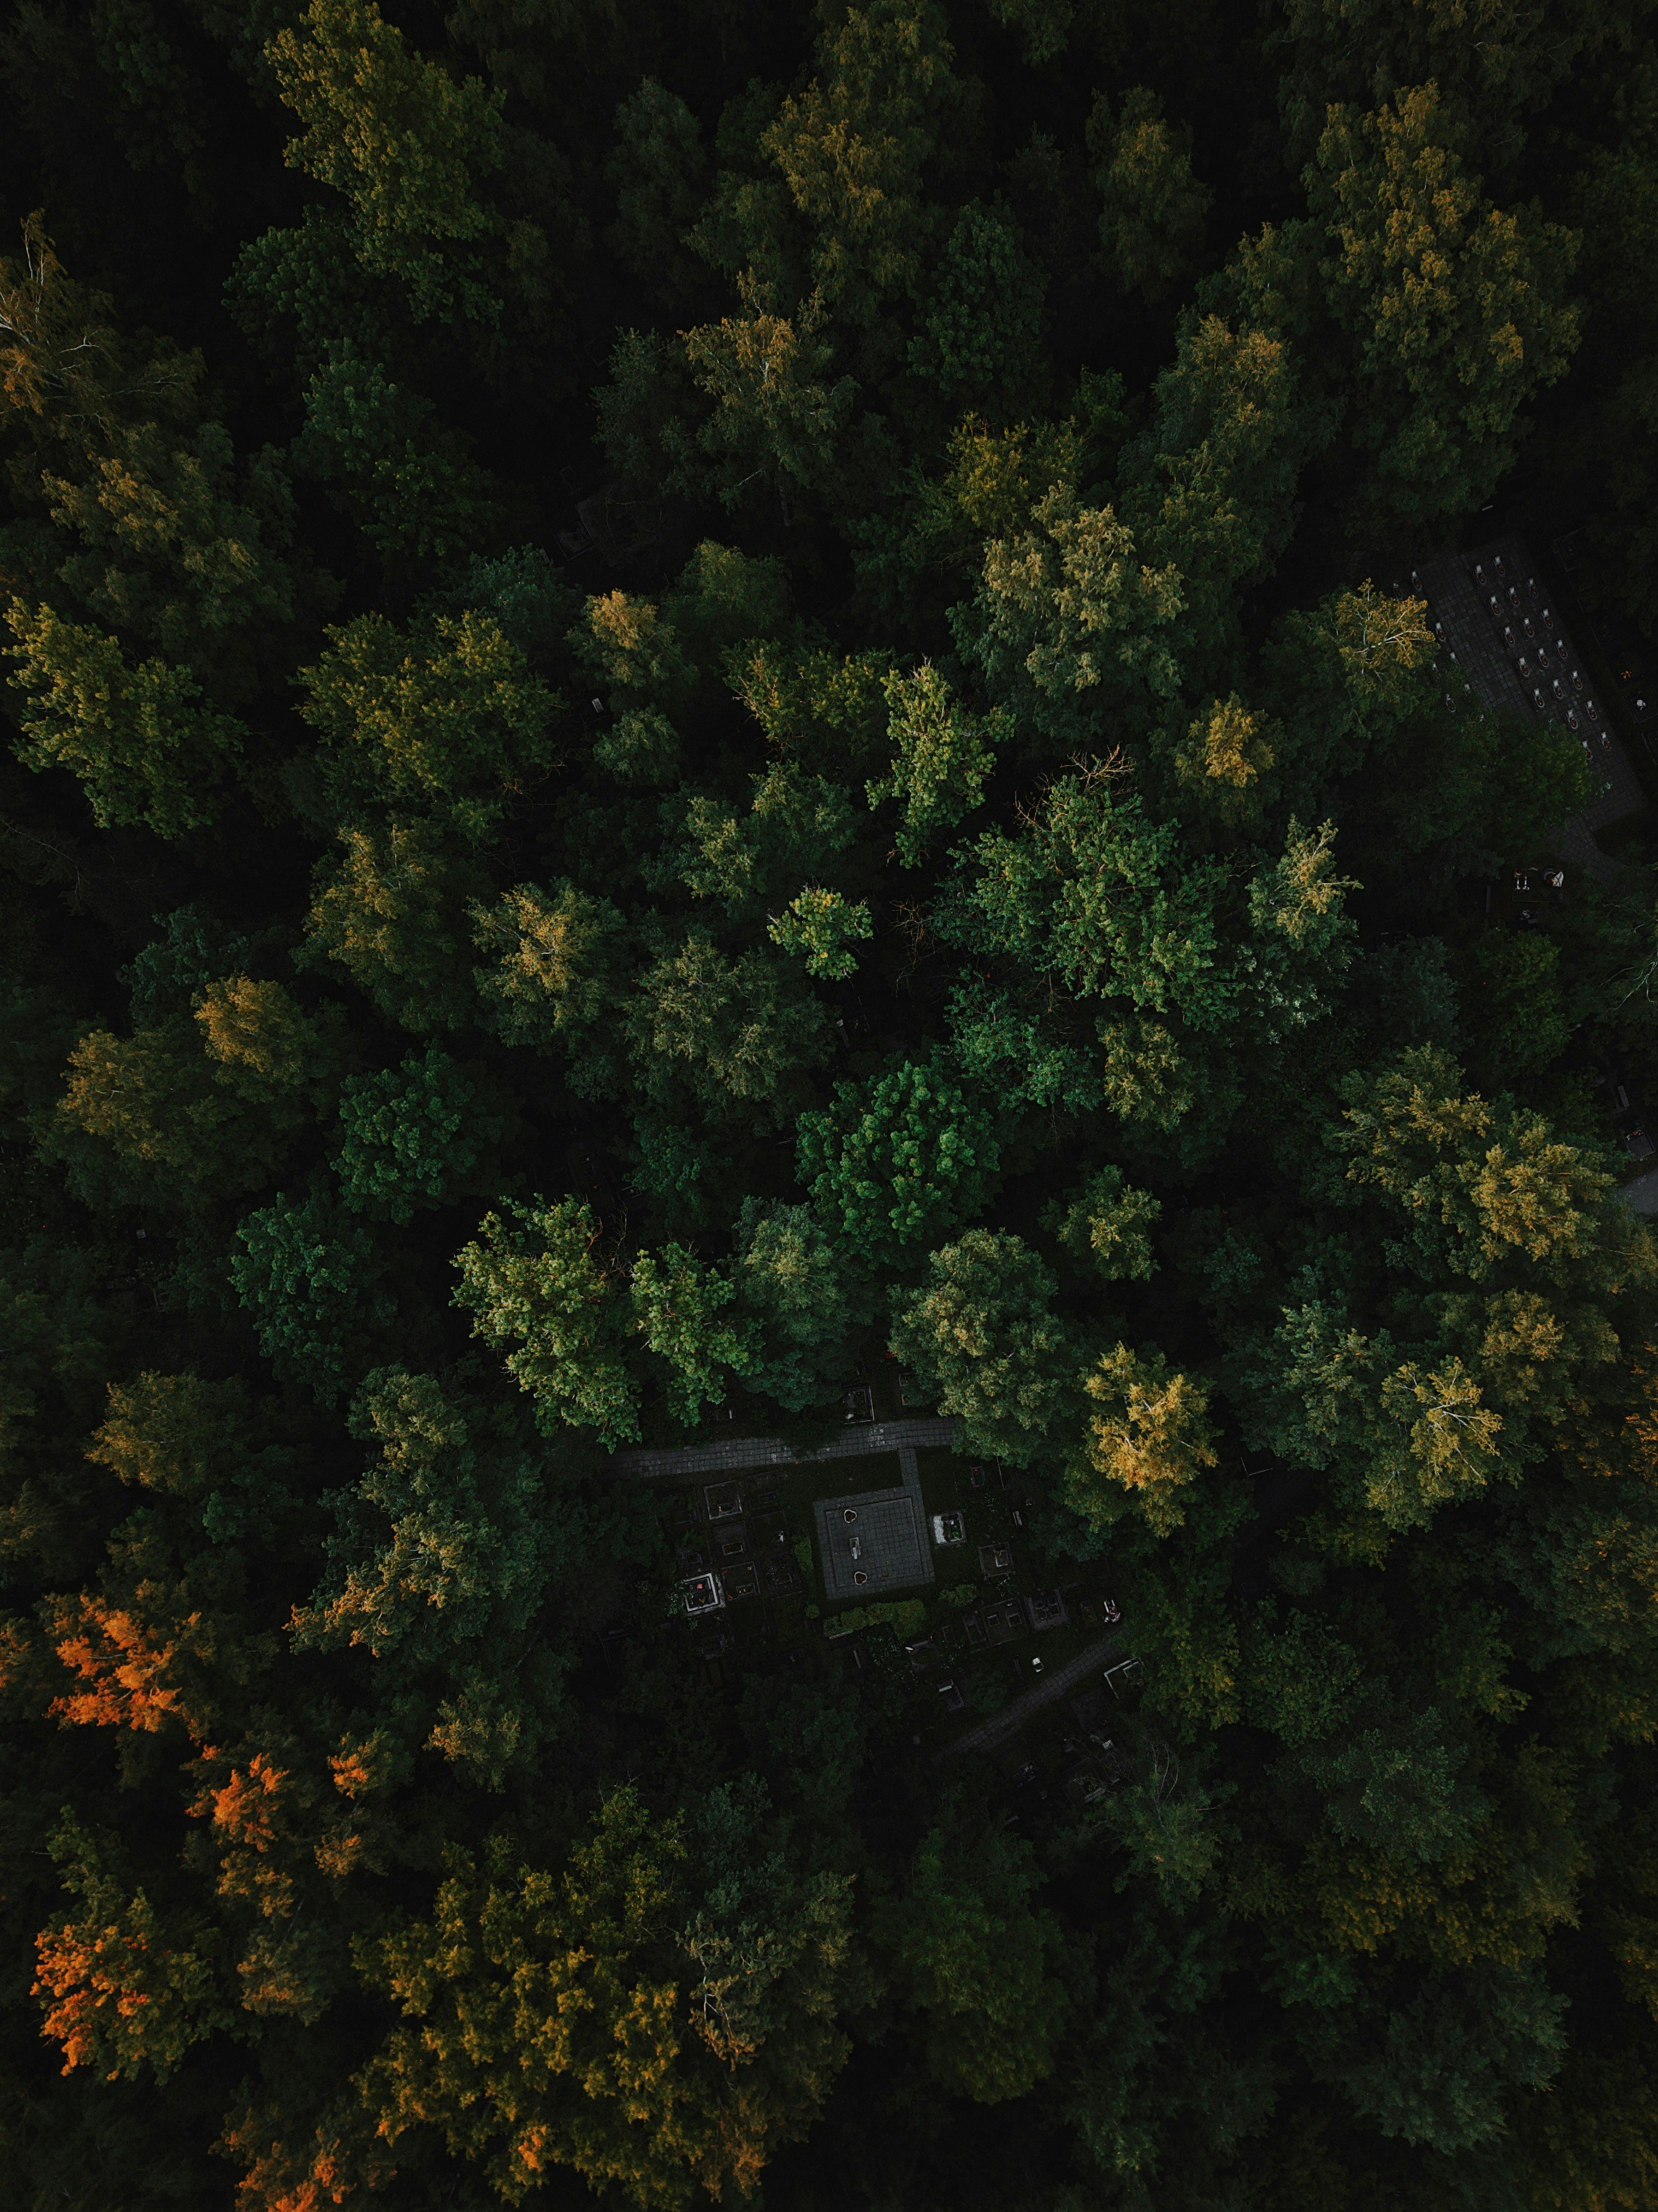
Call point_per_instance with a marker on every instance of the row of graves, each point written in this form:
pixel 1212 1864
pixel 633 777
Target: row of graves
pixel 736 1542
pixel 1497 618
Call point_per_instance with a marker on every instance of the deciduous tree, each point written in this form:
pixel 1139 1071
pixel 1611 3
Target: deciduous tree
pixel 1151 222
pixel 539 1289
pixel 404 146
pixel 1454 307
pixel 1152 1436
pixel 900 1161
pixel 142 741
pixel 983 1334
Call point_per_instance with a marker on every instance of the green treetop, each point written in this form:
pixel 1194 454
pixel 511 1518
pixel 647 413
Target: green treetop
pixel 1209 491
pixel 976 1961
pixel 410 1136
pixel 1109 1222
pixel 822 926
pixel 1092 901
pixel 982 1334
pixel 438 1558
pixel 676 1299
pixel 573 1321
pixel 404 144
pixel 158 532
pixel 773 415
pixel 813 703
pixel 1495 1262
pixel 202 1108
pixel 853 148
pixel 897 1161
pixel 659 172
pixel 944 753
pixel 797 825
pixel 410 485
pixel 1364 49
pixel 1152 223
pixel 557 967
pixel 1100 896
pixel 142 739
pixel 307 1278
pixel 539 1289
pixel 792 1276
pixel 597 2019
pixel 392 911
pixel 1071 626
pixel 449 720
pixel 1454 307
pixel 980 334
pixel 735 1035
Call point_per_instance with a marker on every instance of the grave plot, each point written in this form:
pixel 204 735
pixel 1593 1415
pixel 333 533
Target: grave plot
pixel 871 1543
pixel 991 1625
pixel 703 1593
pixel 729 1540
pixel 774 1553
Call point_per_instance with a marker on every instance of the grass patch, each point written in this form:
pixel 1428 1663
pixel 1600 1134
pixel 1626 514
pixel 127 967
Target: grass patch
pixel 840 1478
pixel 905 1616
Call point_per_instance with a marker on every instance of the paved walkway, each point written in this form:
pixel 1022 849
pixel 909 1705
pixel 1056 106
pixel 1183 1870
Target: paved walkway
pixel 861 1440
pixel 1048 1691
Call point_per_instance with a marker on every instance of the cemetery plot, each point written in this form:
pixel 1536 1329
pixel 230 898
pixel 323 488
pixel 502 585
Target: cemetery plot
pixel 1046 1609
pixel 703 1593
pixel 730 1540
pixel 868 1544
pixel 940 1583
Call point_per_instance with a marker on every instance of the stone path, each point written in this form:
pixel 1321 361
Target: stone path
pixel 1048 1691
pixel 861 1440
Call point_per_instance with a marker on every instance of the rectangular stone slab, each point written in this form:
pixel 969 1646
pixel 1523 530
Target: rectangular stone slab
pixel 892 1539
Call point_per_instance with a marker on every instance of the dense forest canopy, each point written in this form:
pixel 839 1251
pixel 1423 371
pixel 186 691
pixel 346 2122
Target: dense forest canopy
pixel 717 714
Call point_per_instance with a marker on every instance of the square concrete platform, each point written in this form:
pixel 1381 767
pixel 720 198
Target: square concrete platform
pixel 891 1538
